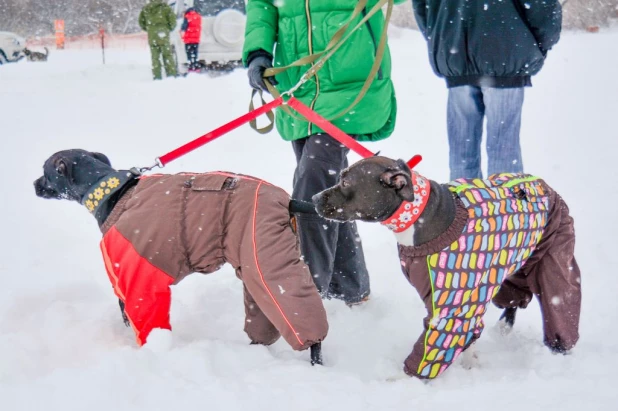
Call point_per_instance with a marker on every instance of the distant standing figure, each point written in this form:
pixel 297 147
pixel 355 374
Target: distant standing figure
pixel 190 31
pixel 487 51
pixel 158 19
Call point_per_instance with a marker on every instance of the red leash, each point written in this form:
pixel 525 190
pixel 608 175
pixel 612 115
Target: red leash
pixel 216 133
pixel 309 114
pixel 336 133
pixel 329 127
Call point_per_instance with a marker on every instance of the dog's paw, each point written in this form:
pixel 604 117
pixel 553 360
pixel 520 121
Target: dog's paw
pixel 358 303
pixel 401 376
pixel 507 320
pixel 504 328
pixel 159 340
pixel 469 359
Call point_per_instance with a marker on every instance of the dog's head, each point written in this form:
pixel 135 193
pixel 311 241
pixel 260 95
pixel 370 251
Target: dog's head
pixel 69 174
pixel 369 190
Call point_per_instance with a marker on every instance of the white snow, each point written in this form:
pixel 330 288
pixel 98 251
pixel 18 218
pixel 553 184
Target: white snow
pixel 63 345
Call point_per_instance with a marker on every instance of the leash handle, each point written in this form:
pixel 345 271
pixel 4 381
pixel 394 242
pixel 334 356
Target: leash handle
pixel 218 132
pixel 270 114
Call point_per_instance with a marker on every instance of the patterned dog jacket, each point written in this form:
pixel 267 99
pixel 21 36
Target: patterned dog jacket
pixel 498 224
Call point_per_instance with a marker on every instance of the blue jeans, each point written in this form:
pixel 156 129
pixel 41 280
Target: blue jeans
pixel 467 105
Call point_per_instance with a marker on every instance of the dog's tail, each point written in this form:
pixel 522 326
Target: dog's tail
pixel 46 51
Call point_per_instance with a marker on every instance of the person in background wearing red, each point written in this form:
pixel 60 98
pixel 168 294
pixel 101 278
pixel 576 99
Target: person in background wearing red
pixel 190 32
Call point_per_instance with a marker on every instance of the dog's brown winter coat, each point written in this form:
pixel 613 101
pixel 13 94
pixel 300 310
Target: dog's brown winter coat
pixel 169 226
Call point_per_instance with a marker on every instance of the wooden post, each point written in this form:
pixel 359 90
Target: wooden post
pixel 102 34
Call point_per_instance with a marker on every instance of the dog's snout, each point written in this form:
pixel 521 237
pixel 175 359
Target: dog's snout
pixel 38 186
pixel 316 198
pixel 41 189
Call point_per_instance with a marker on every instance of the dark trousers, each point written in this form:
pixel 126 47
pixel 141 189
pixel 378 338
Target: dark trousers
pixel 333 251
pixel 192 56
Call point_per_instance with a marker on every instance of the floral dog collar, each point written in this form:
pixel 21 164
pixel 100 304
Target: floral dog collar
pixel 105 188
pixel 409 211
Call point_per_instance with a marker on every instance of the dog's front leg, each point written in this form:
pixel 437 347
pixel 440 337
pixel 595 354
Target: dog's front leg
pixel 507 319
pixel 316 354
pixel 125 319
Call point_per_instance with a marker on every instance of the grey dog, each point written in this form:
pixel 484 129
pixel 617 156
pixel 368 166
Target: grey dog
pixel 32 55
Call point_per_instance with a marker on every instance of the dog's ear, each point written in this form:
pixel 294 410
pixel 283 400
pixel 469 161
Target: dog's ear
pixel 404 166
pixel 401 181
pixel 101 157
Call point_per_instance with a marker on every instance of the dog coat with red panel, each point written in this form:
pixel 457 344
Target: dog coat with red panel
pixel 169 226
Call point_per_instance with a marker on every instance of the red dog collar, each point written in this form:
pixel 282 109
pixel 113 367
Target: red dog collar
pixel 410 211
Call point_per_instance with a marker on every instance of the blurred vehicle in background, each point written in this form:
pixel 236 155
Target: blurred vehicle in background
pixel 222 37
pixel 12 47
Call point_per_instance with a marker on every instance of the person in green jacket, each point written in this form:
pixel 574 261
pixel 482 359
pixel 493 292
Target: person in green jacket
pixel 158 19
pixel 296 29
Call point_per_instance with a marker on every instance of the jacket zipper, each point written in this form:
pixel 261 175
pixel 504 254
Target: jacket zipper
pixel 375 45
pixel 317 80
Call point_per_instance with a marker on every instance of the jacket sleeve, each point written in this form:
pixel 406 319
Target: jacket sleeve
pixel 261 28
pixel 171 18
pixel 185 24
pixel 544 19
pixel 142 20
pixel 143 288
pixel 420 13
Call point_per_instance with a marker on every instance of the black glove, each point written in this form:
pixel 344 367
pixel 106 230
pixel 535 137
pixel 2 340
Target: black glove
pixel 258 62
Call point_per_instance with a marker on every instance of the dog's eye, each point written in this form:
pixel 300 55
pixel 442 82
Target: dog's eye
pixel 345 183
pixel 61 168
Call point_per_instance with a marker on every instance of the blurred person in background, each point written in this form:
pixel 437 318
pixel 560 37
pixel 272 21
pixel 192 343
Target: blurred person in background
pixel 158 20
pixel 190 32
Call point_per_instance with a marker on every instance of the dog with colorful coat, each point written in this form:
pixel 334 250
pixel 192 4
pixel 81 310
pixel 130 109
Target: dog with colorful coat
pixel 464 244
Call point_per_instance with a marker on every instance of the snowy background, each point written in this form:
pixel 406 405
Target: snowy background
pixel 64 347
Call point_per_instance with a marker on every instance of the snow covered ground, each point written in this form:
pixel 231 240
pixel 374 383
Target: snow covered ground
pixel 63 345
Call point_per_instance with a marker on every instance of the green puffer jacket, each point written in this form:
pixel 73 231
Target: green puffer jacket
pixel 157 17
pixel 284 26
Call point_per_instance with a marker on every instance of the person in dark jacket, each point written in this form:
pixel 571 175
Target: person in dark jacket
pixel 191 31
pixel 158 19
pixel 487 51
